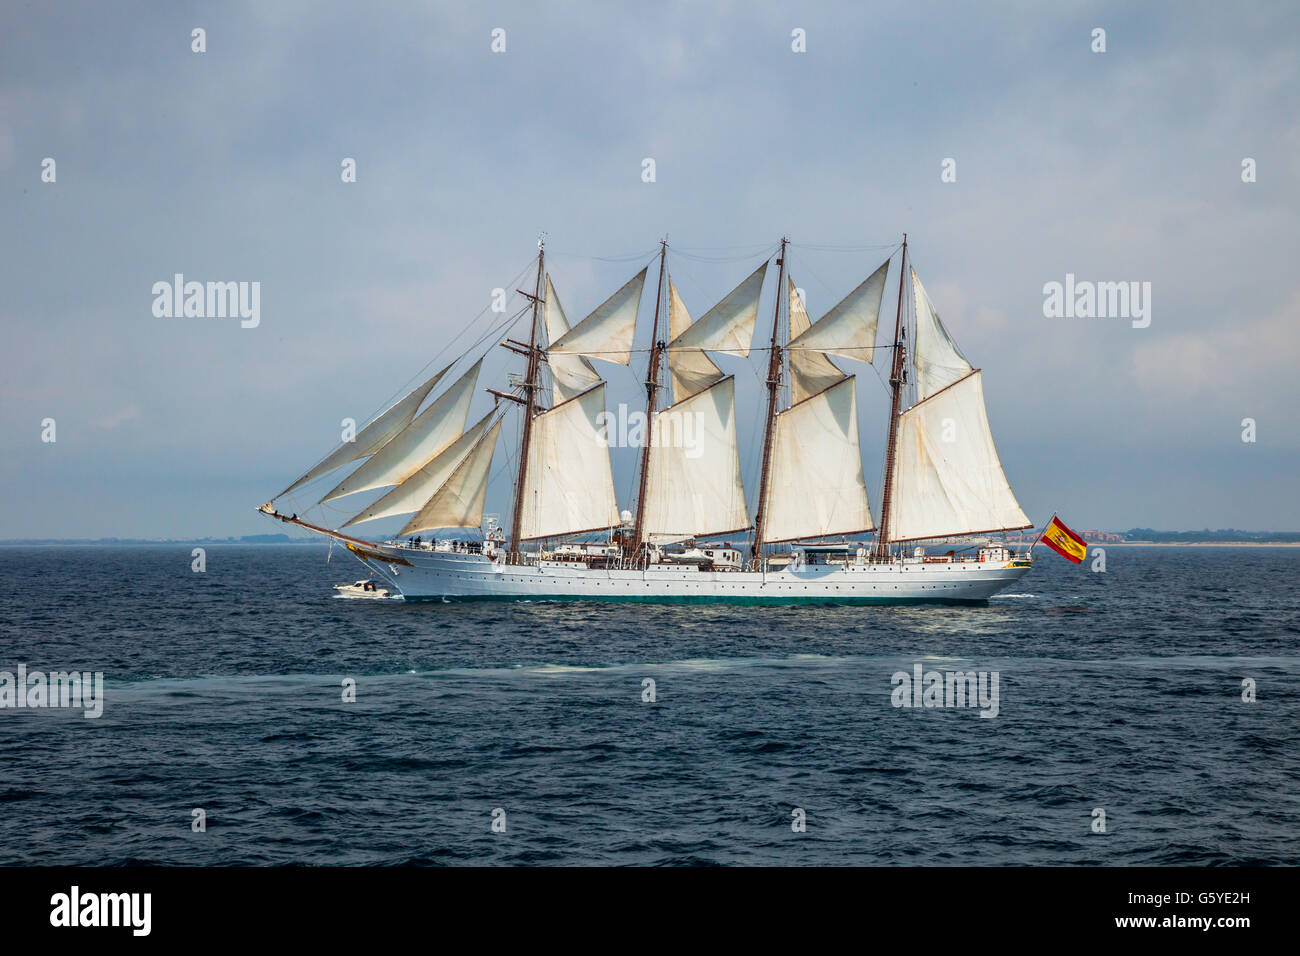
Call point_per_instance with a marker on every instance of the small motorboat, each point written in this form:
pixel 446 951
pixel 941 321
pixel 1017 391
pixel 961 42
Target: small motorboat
pixel 361 589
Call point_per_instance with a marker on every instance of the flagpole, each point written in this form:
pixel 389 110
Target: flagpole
pixel 1041 533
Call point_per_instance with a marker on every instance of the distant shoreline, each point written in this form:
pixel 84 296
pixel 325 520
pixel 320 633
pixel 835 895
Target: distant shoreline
pixel 179 543
pixel 312 542
pixel 1194 544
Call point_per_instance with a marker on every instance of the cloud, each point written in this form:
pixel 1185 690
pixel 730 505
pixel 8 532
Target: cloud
pixel 1249 360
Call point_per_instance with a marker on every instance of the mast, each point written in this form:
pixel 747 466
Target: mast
pixel 773 385
pixel 651 388
pixel 516 555
pixel 896 383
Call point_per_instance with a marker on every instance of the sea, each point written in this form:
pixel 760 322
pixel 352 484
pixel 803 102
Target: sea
pixel 1146 714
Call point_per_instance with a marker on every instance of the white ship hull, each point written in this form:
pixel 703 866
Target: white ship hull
pixel 441 575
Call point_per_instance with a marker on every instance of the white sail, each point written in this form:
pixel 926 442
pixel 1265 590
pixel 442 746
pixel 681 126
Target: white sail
pixel 949 478
pixel 432 430
pixel 570 374
pixel 607 333
pixel 729 325
pixel 810 370
pixel 816 485
pixel 848 329
pixel 693 484
pixel 938 363
pixel 374 435
pixel 691 369
pixel 458 503
pixel 411 495
pixel 570 485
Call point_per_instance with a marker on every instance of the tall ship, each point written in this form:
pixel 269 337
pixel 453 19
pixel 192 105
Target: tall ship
pixel 689 533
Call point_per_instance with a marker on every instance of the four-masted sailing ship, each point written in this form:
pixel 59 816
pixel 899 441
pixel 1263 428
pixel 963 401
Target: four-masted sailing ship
pixel 567 538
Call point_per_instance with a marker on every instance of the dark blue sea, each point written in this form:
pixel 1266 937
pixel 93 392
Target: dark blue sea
pixel 1119 691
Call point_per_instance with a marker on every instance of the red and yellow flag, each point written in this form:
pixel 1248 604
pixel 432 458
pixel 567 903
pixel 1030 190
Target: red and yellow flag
pixel 1064 541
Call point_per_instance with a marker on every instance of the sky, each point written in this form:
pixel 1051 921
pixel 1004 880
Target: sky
pixel 225 165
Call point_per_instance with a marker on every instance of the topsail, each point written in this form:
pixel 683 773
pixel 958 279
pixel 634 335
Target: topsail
pixel 570 374
pixel 729 325
pixel 938 362
pixel 691 370
pixel 607 332
pixel 810 370
pixel 848 329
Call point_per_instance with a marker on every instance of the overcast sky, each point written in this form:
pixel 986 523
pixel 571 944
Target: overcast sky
pixel 225 165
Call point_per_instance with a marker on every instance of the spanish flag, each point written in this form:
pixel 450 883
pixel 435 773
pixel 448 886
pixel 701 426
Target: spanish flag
pixel 1064 541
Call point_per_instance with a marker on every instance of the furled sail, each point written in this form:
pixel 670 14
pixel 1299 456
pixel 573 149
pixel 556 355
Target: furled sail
pixel 570 486
pixel 607 333
pixel 810 370
pixel 374 435
pixel 848 329
pixel 691 370
pixel 458 503
pixel 693 484
pixel 949 476
pixel 816 486
pixel 432 430
pixel 570 374
pixel 411 495
pixel 729 325
pixel 938 362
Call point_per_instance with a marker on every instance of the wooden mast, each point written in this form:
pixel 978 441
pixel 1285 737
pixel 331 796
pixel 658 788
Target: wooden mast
pixel 516 554
pixel 896 383
pixel 651 388
pixel 773 386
